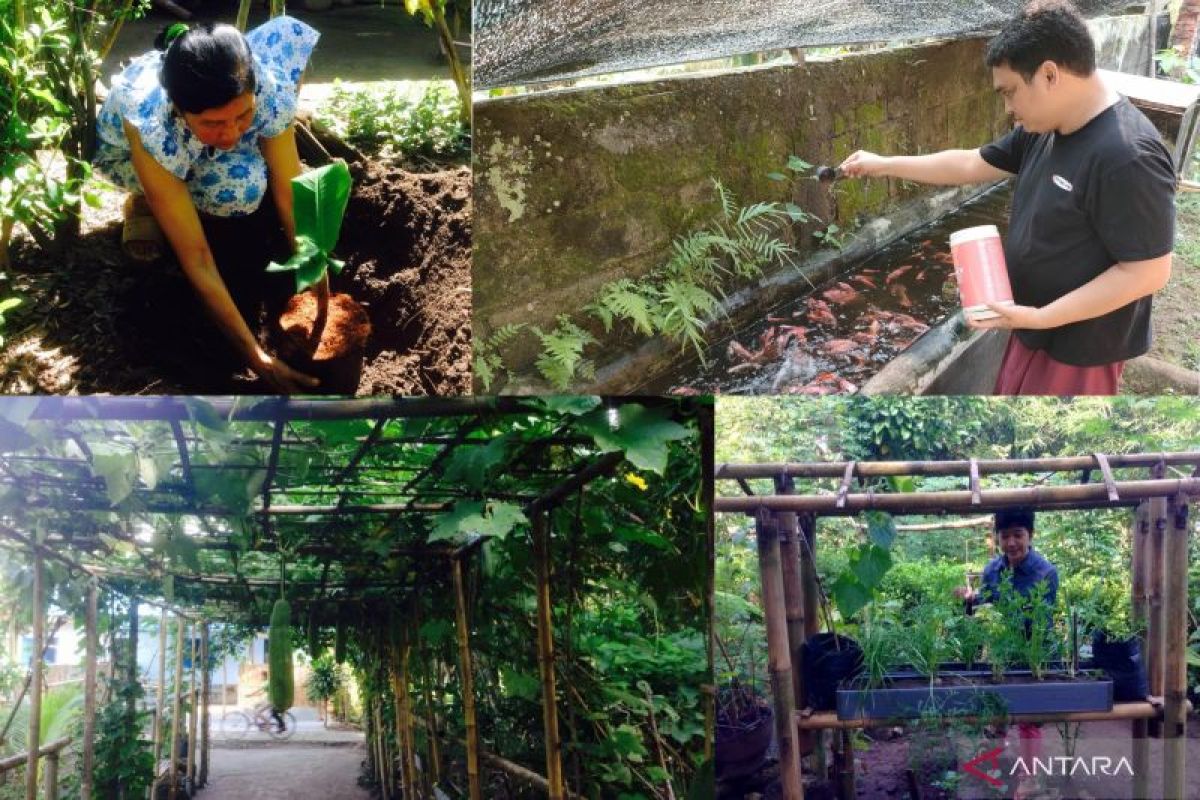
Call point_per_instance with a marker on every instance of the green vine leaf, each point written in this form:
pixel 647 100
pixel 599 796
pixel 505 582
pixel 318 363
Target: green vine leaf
pixel 644 435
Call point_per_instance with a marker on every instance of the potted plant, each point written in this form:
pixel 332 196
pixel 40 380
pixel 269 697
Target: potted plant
pixel 320 333
pixel 1107 613
pixel 743 731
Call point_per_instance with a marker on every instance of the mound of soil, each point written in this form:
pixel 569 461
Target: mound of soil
pixel 92 322
pixel 411 268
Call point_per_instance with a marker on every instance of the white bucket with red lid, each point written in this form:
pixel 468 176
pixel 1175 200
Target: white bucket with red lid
pixel 981 270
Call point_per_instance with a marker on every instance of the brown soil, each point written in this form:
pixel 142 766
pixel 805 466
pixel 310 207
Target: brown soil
pixel 93 323
pixel 411 268
pixel 345 333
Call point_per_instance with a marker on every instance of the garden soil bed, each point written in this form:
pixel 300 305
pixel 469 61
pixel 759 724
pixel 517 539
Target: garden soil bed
pixel 91 322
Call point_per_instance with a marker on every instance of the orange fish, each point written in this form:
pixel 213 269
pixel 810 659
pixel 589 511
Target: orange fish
pixel 896 273
pixel 838 347
pixel 902 295
pixel 840 294
pixel 864 281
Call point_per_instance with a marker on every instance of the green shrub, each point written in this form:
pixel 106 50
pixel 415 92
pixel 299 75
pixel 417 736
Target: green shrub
pixel 386 123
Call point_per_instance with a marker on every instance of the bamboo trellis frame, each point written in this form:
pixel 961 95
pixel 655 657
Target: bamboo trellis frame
pixel 67 485
pixel 785 524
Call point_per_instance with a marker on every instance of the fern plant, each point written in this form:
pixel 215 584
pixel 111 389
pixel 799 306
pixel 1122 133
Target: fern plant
pixel 677 300
pixel 562 352
pixel 488 363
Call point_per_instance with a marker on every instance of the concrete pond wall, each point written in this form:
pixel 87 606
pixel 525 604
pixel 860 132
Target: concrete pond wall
pixel 579 187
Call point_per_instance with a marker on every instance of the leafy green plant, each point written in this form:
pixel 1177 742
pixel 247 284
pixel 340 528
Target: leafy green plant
pixel 319 200
pixel 1106 608
pixel 967 639
pixel 124 760
pixel 1029 621
pixel 388 124
pixel 562 358
pixel 831 236
pixel 925 641
pixel 325 680
pixel 877 638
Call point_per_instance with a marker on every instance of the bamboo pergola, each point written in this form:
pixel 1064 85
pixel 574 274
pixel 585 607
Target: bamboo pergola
pixel 386 478
pixel 785 523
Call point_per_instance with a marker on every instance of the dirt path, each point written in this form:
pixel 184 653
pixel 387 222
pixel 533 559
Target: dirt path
pixel 285 771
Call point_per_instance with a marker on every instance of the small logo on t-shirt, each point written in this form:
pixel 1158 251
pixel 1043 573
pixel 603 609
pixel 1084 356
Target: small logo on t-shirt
pixel 1062 183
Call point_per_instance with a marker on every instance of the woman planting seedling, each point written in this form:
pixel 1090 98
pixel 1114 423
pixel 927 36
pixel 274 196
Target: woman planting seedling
pixel 199 131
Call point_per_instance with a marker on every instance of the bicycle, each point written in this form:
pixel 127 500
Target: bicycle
pixel 238 722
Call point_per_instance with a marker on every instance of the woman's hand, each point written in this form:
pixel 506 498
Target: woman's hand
pixel 279 376
pixel 965 593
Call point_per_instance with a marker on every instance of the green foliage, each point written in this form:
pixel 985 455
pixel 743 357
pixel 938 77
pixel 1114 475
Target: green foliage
pixel 487 361
pixel 677 300
pixel 48 66
pixel 124 760
pixel 281 674
pixel 895 428
pixel 388 124
pixel 319 199
pixel 1104 606
pixel 562 358
pixel 325 679
pixel 925 639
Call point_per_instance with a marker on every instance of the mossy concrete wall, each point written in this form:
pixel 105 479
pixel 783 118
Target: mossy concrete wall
pixel 576 188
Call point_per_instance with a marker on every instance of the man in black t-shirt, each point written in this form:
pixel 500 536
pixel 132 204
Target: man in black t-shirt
pixel 1091 228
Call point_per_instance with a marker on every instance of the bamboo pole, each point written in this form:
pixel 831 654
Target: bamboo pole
pixel 52 776
pixel 1139 728
pixel 877 469
pixel 1120 711
pixel 193 715
pixel 1088 495
pixel 131 666
pixel 160 695
pixel 205 691
pixel 545 642
pixel 789 555
pixel 410 743
pixel 33 742
pixel 91 654
pixel 467 679
pixel 435 756
pixel 1154 624
pixel 399 699
pixel 1175 632
pixel 810 600
pixel 778 655
pixel 176 697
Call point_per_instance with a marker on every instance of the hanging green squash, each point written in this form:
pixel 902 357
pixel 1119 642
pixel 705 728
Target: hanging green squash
pixel 339 645
pixel 281 678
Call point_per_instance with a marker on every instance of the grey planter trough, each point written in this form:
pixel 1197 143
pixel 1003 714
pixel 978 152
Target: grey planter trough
pixel 1048 696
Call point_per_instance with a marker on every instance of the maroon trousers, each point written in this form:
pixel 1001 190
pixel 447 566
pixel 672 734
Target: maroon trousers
pixel 1025 371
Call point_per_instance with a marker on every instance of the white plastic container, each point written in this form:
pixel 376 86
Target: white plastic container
pixel 981 270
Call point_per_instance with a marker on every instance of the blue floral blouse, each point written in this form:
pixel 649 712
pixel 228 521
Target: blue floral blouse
pixel 225 183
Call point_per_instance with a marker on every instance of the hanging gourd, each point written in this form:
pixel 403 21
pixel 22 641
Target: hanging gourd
pixel 339 645
pixel 281 678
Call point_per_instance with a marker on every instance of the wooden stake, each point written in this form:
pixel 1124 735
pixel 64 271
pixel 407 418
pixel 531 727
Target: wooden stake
pixel 1157 512
pixel 176 708
pixel 809 600
pixel 545 641
pixel 33 741
pixel 160 695
pixel 1175 632
pixel 793 593
pixel 193 715
pixel 779 657
pixel 435 756
pixel 1140 550
pixel 91 655
pixel 468 682
pixel 205 691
